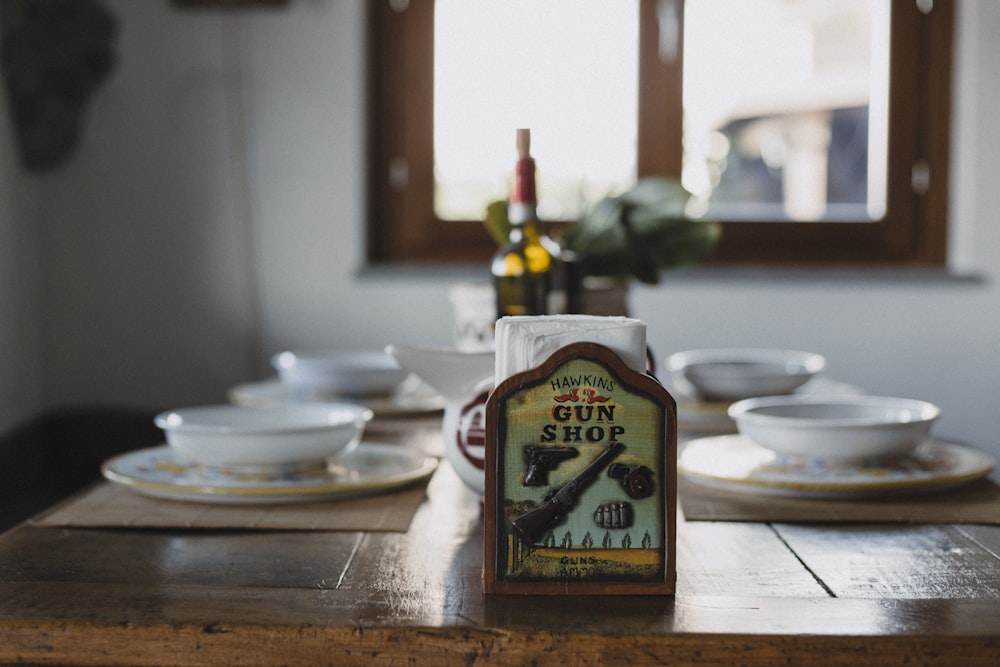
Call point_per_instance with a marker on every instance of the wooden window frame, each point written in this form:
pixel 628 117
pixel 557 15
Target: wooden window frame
pixel 403 229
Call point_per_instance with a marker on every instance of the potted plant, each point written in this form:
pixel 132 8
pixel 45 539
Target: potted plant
pixel 631 236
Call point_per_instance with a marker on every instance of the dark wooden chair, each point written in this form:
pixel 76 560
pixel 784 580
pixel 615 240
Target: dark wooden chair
pixel 61 451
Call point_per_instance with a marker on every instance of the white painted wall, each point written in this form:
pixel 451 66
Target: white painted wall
pixel 215 215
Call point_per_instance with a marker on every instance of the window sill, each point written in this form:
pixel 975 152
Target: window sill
pixel 824 275
pixel 711 275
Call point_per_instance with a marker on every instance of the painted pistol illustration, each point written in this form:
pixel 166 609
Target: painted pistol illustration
pixel 541 460
pixel 532 526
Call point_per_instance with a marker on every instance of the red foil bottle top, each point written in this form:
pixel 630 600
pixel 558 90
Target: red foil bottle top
pixel 524 171
pixel 524 182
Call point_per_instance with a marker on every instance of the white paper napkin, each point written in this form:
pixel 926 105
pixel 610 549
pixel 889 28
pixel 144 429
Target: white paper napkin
pixel 524 342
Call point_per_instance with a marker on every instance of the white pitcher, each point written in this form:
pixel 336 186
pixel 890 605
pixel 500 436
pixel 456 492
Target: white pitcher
pixel 464 380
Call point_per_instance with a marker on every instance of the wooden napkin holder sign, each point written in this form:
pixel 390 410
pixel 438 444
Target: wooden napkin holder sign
pixel 581 479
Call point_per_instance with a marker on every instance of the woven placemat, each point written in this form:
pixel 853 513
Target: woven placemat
pixel 978 502
pixel 108 505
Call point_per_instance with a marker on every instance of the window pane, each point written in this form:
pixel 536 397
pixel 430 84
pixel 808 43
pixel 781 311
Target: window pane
pixel 785 108
pixel 566 69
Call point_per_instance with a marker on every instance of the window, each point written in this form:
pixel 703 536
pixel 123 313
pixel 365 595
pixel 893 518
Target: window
pixel 843 162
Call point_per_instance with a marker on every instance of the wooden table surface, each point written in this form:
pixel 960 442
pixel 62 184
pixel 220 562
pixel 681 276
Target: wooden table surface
pixel 748 593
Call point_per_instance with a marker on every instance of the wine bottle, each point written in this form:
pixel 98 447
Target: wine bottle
pixel 523 268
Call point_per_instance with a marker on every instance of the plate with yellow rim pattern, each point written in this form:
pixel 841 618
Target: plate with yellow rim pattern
pixel 734 462
pixel 371 468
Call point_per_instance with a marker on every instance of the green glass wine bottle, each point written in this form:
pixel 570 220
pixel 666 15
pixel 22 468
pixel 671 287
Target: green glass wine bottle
pixel 523 269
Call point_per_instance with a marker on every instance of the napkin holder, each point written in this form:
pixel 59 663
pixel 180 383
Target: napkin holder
pixel 581 479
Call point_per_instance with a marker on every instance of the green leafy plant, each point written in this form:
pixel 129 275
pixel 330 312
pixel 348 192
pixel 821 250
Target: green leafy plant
pixel 636 234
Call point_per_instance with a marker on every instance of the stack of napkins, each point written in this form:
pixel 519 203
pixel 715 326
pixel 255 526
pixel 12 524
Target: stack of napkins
pixel 524 342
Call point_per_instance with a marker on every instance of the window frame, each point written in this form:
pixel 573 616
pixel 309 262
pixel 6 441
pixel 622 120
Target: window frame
pixel 403 229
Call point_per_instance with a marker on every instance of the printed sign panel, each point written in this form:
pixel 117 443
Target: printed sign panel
pixel 581 479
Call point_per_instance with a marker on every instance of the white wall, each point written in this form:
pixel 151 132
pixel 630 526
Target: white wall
pixel 215 215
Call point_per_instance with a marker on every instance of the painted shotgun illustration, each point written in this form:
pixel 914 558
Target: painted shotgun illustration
pixel 532 526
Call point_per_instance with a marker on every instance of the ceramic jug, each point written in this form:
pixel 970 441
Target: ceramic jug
pixel 464 380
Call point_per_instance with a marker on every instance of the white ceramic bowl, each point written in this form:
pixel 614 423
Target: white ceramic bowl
pixel 318 375
pixel 284 435
pixel 836 428
pixel 731 374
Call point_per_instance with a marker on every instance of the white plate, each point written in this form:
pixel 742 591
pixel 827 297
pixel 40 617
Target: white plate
pixel 372 467
pixel 414 398
pixel 735 463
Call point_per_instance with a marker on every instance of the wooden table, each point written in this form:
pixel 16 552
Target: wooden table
pixel 747 594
